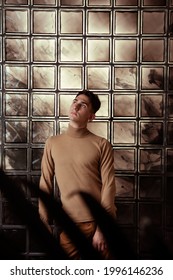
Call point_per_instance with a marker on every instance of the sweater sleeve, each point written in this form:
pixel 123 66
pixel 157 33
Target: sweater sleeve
pixel 46 179
pixel 108 178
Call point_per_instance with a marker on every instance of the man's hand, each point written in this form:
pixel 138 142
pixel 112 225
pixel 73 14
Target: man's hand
pixel 99 242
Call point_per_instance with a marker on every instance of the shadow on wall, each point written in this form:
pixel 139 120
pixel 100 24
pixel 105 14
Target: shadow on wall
pixel 27 213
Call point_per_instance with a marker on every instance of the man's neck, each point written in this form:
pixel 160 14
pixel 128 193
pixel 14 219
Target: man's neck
pixel 77 125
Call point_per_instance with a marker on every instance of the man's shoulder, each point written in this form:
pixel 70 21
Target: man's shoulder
pixel 100 139
pixel 54 138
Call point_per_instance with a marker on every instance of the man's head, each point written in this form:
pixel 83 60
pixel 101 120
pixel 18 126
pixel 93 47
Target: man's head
pixel 83 108
pixel 93 98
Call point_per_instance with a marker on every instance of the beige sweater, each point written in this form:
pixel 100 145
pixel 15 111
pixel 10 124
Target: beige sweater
pixel 81 161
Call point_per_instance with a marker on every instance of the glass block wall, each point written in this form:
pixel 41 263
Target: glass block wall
pixel 123 51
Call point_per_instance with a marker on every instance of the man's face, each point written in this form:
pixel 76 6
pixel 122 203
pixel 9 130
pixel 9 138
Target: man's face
pixel 81 110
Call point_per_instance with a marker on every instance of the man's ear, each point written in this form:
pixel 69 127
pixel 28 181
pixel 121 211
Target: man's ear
pixel 92 117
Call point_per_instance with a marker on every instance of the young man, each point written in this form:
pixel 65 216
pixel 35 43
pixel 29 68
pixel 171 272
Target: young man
pixel 80 161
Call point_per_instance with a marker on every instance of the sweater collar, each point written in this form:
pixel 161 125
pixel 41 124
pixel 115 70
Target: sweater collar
pixel 77 132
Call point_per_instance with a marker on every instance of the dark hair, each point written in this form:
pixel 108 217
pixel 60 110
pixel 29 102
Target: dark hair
pixel 94 99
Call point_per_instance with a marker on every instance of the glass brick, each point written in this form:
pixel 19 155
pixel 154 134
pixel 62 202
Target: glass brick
pixel 44 77
pixel 70 77
pixel 43 105
pixel 153 22
pixel 125 186
pixel 152 105
pixel 16 104
pixel 124 159
pixel 16 21
pixel 125 78
pixel 15 159
pixel 152 78
pixel 44 50
pixel 16 131
pixel 98 50
pixel 16 77
pixel 151 133
pixel 98 78
pixel 126 23
pixel 71 50
pixel 150 160
pixel 125 50
pixel 124 105
pixel 98 22
pixel 150 187
pixel 44 22
pixel 71 22
pixel 41 131
pixel 16 49
pixel 153 50
pixel 124 132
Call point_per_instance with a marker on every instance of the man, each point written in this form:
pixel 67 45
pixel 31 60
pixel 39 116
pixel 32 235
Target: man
pixel 80 161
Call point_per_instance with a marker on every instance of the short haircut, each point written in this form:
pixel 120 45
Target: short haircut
pixel 94 99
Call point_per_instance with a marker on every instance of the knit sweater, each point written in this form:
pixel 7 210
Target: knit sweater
pixel 80 161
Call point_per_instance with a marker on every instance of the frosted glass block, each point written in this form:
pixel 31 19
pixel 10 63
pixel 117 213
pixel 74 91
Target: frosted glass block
pixel 101 3
pixel 151 133
pixel 70 78
pixel 44 77
pixel 104 110
pixel 99 128
pixel 169 156
pixel 153 22
pixel 16 131
pixel 71 50
pixel 126 23
pixel 65 101
pixel 170 46
pixel 71 22
pixel 150 187
pixel 16 2
pixel 170 85
pixel 16 21
pixel 16 104
pixel 16 77
pixel 125 50
pixel 62 126
pixel 98 22
pixel 170 106
pixel 125 186
pixel 41 131
pixel 151 105
pixel 98 78
pixel 125 78
pixel 126 2
pixel 0 21
pixel 98 50
pixel 169 133
pixel 150 160
pixel 44 50
pixel 152 78
pixel 124 159
pixel 124 133
pixel 16 49
pixel 43 105
pixel 153 50
pixel 44 2
pixel 36 156
pixel 0 49
pixel 154 2
pixel 44 22
pixel 15 159
pixel 71 2
pixel 124 105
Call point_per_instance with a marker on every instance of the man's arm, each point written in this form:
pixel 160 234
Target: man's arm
pixel 107 192
pixel 46 180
